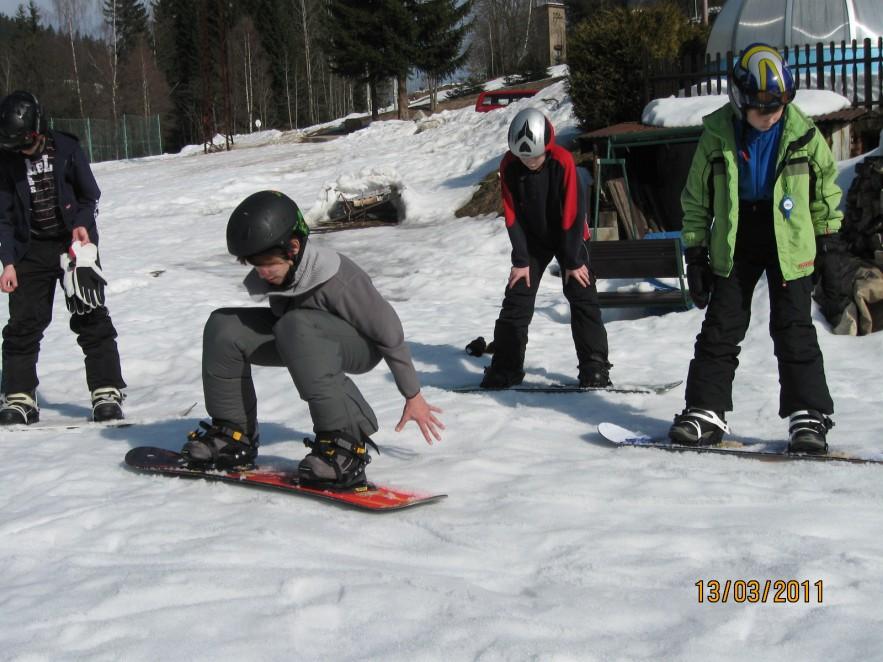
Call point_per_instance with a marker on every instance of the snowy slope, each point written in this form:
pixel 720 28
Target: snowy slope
pixel 551 546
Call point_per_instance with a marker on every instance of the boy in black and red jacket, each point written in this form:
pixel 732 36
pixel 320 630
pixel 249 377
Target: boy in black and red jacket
pixel 546 217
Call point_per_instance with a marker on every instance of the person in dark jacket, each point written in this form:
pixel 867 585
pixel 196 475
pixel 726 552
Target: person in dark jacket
pixel 546 217
pixel 48 204
pixel 761 199
pixel 325 320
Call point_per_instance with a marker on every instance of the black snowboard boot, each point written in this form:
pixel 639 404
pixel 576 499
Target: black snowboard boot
pixel 499 378
pixel 595 375
pixel 220 445
pixel 807 429
pixel 107 404
pixel 336 460
pixel 19 409
pixel 698 427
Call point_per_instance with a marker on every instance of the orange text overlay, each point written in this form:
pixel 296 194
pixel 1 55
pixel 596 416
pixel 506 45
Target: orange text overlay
pixel 754 591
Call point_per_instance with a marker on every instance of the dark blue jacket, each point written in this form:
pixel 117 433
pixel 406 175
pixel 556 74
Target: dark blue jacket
pixel 76 191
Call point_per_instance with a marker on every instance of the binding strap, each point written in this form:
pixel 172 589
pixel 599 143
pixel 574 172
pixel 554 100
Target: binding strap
pixel 20 403
pixel 693 413
pixel 807 420
pixel 327 445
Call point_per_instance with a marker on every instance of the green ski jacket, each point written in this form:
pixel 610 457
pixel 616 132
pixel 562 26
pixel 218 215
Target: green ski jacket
pixel 805 173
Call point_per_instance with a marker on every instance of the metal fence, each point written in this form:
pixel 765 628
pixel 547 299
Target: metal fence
pixel 853 69
pixel 130 137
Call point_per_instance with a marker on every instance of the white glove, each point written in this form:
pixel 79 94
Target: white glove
pixel 74 305
pixel 86 277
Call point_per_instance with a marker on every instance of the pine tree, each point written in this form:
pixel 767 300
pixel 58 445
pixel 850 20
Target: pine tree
pixel 370 41
pixel 441 31
pixel 131 23
pixel 177 43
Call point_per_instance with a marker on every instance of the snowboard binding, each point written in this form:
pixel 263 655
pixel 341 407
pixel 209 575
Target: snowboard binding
pixel 336 461
pixel 218 446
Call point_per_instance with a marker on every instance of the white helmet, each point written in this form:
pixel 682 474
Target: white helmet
pixel 530 133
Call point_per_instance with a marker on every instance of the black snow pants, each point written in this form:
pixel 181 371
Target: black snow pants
pixel 586 325
pixel 801 367
pixel 30 312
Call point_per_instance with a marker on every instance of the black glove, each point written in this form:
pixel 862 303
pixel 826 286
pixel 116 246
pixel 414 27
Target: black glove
pixel 827 248
pixel 476 347
pixel 700 278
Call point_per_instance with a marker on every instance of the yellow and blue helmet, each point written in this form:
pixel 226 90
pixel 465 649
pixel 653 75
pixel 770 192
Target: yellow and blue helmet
pixel 760 79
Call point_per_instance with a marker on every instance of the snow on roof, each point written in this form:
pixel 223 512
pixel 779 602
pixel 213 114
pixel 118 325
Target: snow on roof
pixel 689 111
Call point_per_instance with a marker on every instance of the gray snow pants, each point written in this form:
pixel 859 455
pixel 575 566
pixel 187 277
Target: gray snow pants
pixel 318 348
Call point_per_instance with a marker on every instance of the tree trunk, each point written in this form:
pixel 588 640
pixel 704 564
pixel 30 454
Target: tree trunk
pixel 402 84
pixel 309 68
pixel 526 33
pixel 372 95
pixel 288 90
pixel 114 68
pixel 249 85
pixel 70 27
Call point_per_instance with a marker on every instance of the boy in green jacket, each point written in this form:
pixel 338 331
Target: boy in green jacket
pixel 761 197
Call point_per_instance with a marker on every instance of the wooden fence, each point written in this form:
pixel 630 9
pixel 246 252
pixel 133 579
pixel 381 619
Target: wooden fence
pixel 852 69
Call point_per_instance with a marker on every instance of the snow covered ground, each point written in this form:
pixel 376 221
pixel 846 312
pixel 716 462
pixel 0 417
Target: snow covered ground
pixel 551 545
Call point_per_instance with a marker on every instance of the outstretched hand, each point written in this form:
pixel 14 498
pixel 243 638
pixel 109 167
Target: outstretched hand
pixel 423 414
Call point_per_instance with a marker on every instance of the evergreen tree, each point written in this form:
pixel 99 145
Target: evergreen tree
pixel 131 23
pixel 274 21
pixel 372 40
pixel 26 65
pixel 177 42
pixel 441 31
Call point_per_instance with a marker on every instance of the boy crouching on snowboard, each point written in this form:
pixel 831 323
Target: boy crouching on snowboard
pixel 325 320
pixel 761 197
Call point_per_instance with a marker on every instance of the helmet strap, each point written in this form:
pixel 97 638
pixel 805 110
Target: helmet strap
pixel 296 257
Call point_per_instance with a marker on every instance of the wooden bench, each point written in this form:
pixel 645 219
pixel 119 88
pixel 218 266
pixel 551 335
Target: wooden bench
pixel 640 258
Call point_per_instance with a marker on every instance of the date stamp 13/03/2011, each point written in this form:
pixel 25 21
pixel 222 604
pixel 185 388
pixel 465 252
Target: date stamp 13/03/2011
pixel 759 591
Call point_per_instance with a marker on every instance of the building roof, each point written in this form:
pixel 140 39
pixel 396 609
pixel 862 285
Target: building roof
pixel 781 23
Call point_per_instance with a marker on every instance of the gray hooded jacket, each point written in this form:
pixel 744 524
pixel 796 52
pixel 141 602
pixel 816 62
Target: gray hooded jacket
pixel 326 280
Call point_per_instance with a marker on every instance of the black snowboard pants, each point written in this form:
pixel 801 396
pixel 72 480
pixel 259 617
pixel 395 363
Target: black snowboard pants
pixel 586 325
pixel 801 367
pixel 316 347
pixel 30 312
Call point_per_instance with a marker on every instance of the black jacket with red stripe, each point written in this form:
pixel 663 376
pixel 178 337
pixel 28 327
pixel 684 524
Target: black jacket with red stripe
pixel 545 208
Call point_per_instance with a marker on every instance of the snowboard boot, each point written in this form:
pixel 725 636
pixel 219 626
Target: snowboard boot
pixel 336 460
pixel 698 427
pixel 595 375
pixel 107 404
pixel 221 446
pixel 807 429
pixel 500 378
pixel 19 409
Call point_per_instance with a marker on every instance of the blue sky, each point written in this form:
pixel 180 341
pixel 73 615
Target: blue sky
pixel 9 7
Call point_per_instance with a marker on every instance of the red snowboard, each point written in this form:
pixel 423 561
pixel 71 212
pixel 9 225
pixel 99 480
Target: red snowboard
pixel 375 498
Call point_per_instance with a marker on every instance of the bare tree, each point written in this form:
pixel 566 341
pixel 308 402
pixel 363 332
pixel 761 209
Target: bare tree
pixel 70 17
pixel 305 21
pixel 501 34
pixel 112 22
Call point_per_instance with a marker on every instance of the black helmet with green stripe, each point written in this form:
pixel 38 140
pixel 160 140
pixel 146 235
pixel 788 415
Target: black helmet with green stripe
pixel 264 221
